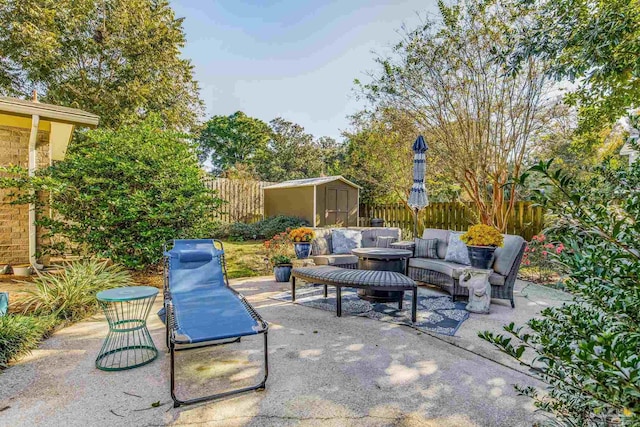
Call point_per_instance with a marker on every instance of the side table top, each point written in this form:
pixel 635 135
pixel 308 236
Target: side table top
pixel 382 253
pixel 128 293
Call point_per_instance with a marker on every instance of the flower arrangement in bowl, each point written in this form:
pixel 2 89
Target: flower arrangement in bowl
pixel 279 254
pixel 301 238
pixel 482 241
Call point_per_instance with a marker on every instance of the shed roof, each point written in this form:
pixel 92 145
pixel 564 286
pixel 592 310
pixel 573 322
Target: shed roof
pixel 50 112
pixel 311 182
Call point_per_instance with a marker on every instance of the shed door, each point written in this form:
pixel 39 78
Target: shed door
pixel 337 208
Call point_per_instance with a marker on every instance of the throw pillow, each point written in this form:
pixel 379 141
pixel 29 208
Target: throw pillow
pixel 426 248
pixel 385 241
pixel 343 241
pixel 457 250
pixel 321 245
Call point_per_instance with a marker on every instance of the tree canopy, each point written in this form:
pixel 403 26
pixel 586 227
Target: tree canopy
pixel 594 44
pixel 292 154
pixel 230 141
pixel 479 120
pixel 243 146
pixel 115 58
pixel 379 158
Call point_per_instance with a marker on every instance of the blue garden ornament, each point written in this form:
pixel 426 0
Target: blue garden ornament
pixel 418 198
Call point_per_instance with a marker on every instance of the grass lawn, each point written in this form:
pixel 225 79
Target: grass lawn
pixel 245 259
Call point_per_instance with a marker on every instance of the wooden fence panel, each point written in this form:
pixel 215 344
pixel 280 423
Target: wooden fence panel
pixel 242 199
pixel 526 219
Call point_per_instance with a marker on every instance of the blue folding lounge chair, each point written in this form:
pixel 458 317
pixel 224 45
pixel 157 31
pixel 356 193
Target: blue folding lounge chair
pixel 201 309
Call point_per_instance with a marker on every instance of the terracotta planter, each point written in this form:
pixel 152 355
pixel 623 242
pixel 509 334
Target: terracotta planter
pixel 481 256
pixel 303 249
pixel 282 272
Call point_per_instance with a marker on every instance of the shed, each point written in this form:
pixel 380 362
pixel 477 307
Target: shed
pixel 322 201
pixel 32 135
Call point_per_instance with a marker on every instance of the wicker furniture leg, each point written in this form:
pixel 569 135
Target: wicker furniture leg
pixel 293 288
pixel 400 302
pixel 325 291
pixel 339 301
pixel 414 304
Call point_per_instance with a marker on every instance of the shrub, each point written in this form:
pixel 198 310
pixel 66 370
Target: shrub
pixel 539 260
pixel 122 193
pixel 20 334
pixel 587 350
pixel 71 294
pixel 240 231
pixel 269 227
pixel 261 230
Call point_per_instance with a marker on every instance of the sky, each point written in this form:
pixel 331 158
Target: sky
pixel 294 59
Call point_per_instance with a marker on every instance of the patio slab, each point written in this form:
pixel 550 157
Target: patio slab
pixel 324 370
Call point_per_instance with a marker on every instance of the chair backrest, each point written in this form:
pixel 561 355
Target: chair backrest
pixel 194 264
pixel 322 243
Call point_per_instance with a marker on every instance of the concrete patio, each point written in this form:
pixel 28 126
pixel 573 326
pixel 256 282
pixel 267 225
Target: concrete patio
pixel 323 371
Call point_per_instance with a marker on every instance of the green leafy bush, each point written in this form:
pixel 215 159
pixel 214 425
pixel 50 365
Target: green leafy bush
pixel 121 194
pixel 587 350
pixel 21 334
pixel 71 294
pixel 261 230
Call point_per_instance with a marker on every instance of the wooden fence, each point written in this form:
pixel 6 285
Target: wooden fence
pixel 525 219
pixel 243 200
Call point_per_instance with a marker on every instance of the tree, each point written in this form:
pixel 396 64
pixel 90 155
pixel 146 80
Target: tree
pixel 293 154
pixel 594 44
pixel 123 193
pixel 380 158
pixel 587 350
pixel 233 140
pixel 116 58
pixel 480 121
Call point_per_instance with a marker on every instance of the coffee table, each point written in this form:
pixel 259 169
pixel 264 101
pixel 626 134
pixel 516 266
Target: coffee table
pixel 382 259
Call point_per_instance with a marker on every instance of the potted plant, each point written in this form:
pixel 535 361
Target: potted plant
pixel 22 270
pixel 279 256
pixel 482 241
pixel 301 238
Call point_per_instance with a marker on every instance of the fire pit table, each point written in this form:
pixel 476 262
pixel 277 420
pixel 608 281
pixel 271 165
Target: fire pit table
pixel 381 259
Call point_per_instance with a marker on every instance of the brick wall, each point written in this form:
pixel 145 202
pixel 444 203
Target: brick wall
pixel 14 219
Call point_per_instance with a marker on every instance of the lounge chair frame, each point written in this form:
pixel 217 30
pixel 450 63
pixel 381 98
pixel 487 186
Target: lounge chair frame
pixel 175 346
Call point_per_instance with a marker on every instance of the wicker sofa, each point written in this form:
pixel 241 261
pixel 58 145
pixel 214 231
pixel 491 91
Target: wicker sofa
pixel 322 248
pixel 446 274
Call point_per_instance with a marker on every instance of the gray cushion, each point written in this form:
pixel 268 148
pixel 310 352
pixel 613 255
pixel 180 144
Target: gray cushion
pixel 457 250
pixel 321 243
pixel 506 255
pixel 343 240
pixel 385 241
pixel 334 259
pixel 370 235
pixel 496 279
pixel 426 248
pixel 443 239
pixel 451 269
